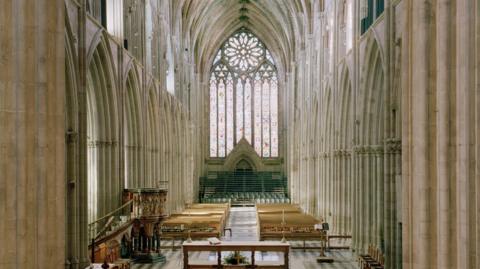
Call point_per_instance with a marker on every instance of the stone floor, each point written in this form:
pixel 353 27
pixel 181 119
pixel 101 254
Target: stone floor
pixel 244 226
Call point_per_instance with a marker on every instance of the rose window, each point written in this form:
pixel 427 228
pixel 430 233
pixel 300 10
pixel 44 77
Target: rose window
pixel 244 51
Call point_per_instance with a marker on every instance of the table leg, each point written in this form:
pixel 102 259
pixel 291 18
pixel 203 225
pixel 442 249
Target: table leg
pixel 253 258
pixel 286 261
pixel 219 259
pixel 185 259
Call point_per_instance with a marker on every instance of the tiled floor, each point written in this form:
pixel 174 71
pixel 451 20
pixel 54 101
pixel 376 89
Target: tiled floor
pixel 244 226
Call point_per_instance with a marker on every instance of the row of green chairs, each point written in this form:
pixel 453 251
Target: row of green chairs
pixel 247 195
pixel 256 200
pixel 258 197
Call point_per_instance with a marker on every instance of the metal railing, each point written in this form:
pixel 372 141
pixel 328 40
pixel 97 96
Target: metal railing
pixel 112 220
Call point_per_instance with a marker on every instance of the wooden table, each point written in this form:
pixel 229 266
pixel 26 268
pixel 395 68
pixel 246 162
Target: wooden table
pixel 184 236
pixel 236 246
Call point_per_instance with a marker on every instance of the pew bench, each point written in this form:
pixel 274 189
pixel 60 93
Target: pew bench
pixel 374 259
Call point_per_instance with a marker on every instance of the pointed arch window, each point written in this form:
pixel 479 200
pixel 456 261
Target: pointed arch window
pixel 243 97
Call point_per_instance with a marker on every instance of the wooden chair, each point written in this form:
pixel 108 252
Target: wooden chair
pixel 374 259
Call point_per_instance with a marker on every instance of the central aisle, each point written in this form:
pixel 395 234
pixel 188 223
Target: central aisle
pixel 243 222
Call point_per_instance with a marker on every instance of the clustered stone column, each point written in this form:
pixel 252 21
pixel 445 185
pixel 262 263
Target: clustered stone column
pixel 368 205
pixel 32 137
pixel 440 150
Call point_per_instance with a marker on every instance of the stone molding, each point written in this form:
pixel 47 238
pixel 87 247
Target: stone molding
pixel 102 144
pixel 369 149
pixel 71 137
pixel 393 146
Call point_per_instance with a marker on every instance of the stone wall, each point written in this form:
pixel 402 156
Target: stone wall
pixel 344 146
pixel 123 128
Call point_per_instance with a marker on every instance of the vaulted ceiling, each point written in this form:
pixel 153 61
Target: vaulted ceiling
pixel 280 24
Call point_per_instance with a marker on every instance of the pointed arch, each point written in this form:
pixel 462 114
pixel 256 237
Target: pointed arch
pixel 133 130
pixel 71 81
pixel 372 94
pixel 102 131
pixel 346 105
pixel 152 139
pixel 244 98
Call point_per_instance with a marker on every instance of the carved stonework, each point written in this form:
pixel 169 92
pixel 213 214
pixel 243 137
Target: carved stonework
pixel 369 149
pixel 147 203
pixel 71 137
pixel 359 150
pixel 393 146
pixel 377 149
pixel 148 210
pixel 101 144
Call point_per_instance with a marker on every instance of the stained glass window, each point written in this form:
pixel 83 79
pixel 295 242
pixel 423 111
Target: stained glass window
pixel 258 114
pixel 243 97
pixel 229 113
pixel 240 111
pixel 213 115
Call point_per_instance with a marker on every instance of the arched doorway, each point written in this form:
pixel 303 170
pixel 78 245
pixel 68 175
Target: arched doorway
pixel 243 166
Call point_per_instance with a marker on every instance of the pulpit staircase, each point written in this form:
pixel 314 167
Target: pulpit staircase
pixel 130 232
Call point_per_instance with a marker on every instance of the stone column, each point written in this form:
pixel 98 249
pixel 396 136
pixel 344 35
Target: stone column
pixel 358 189
pixel 467 132
pixel 440 132
pixel 32 137
pixel 368 198
pixel 445 97
pixel 418 165
pixel 379 203
pixel 350 193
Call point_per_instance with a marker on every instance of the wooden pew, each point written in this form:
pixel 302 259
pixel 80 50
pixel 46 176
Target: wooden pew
pixel 197 221
pixel 374 259
pixel 276 221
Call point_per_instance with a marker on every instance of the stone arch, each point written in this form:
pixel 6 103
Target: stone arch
pixel 152 139
pixel 71 80
pixel 168 157
pixel 74 161
pixel 369 155
pixel 345 87
pixel 244 165
pixel 176 142
pixel 329 147
pixel 102 131
pixel 345 145
pixel 133 130
pixel 164 131
pixel 244 151
pixel 372 95
pixel 328 127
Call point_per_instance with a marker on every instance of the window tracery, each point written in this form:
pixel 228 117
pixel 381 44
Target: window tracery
pixel 243 97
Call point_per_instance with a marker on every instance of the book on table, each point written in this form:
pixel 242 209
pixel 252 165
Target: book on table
pixel 214 241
